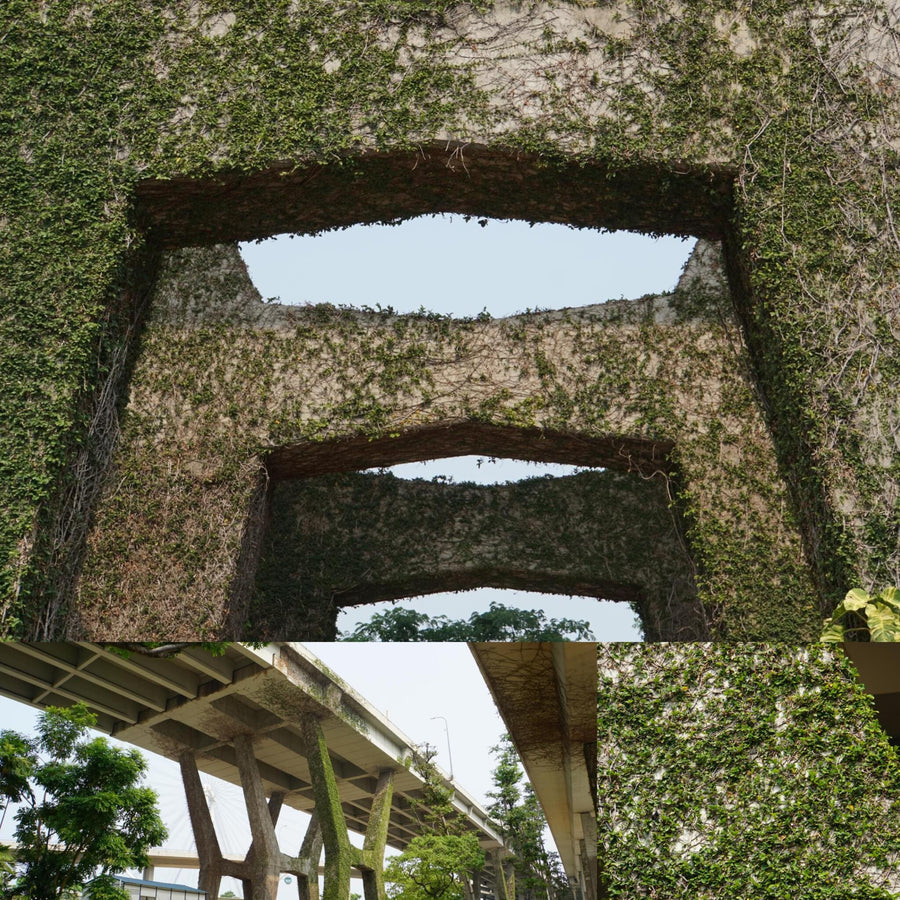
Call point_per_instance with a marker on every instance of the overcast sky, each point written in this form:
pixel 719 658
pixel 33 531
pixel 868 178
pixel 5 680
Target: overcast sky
pixel 447 265
pixel 410 683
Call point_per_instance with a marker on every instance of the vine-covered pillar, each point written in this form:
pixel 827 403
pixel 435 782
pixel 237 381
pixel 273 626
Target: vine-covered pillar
pixel 371 860
pixel 306 865
pixel 505 878
pixel 264 862
pixel 339 854
pixel 209 854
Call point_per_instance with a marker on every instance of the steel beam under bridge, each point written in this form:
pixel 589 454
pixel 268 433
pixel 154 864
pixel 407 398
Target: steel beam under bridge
pixel 277 722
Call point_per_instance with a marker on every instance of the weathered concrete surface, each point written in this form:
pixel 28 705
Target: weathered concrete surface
pixel 231 396
pixel 335 541
pixel 774 127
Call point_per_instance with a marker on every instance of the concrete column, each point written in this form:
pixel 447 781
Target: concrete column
pixel 588 860
pixel 372 857
pixel 307 869
pixel 505 877
pixel 208 853
pixel 474 885
pixel 339 855
pixel 276 801
pixel 264 865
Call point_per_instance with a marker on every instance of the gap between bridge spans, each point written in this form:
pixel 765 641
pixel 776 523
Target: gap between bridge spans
pixel 464 266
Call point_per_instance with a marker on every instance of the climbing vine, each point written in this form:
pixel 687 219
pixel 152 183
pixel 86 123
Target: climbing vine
pixel 124 124
pixel 750 772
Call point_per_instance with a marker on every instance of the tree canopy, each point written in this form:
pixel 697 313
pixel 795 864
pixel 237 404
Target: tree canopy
pixel 521 821
pixel 433 867
pixel 83 808
pixel 499 623
pixel 435 864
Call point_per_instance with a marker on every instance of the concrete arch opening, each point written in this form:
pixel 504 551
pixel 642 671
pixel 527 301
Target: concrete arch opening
pixel 464 266
pixel 236 404
pixel 350 538
pixel 488 608
pixel 445 177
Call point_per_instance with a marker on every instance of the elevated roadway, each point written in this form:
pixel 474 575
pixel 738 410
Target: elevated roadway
pixel 274 720
pixel 547 697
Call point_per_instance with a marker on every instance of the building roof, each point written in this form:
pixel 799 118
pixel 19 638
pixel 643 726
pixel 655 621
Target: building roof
pixel 158 884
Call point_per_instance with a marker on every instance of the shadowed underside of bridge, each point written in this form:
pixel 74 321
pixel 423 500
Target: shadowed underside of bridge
pixel 554 730
pixel 278 723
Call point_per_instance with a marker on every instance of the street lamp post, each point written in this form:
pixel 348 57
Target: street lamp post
pixel 447 733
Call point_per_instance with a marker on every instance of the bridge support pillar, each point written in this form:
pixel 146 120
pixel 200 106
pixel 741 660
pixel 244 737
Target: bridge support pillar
pixel 263 862
pixel 276 801
pixel 306 866
pixel 340 855
pixel 589 864
pixel 371 860
pixel 473 886
pixel 505 877
pixel 208 853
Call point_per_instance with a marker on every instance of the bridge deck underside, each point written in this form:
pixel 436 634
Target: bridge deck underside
pixel 199 703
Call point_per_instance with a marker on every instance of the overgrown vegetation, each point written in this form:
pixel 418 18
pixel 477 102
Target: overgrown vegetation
pixel 499 623
pixel 125 123
pixel 515 808
pixel 83 812
pixel 861 617
pixel 752 772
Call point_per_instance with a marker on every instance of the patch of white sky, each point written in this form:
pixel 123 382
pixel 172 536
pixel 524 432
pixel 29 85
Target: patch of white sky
pixel 463 266
pixel 433 693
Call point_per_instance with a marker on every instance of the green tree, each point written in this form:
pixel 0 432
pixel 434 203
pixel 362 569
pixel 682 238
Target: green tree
pixel 7 868
pixel 434 809
pixel 433 867
pixel 17 761
pixel 499 623
pixel 83 809
pixel 521 821
pixel 17 758
pixel 436 864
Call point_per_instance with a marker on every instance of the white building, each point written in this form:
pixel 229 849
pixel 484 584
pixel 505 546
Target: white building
pixel 153 890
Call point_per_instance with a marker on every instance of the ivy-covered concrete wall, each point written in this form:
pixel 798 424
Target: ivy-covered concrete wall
pixel 750 772
pixel 232 400
pixel 129 126
pixel 342 540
